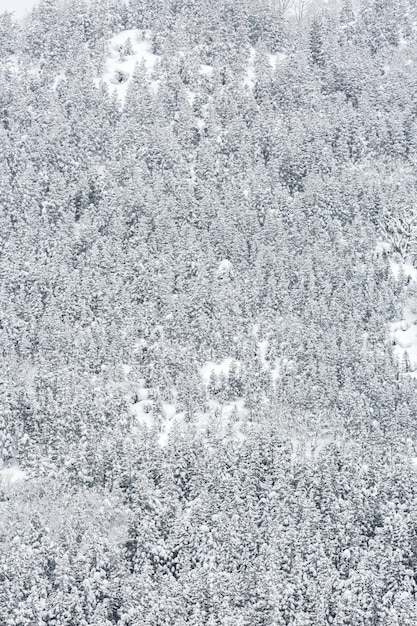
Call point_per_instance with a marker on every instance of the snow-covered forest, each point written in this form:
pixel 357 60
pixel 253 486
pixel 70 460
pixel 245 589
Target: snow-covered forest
pixel 208 313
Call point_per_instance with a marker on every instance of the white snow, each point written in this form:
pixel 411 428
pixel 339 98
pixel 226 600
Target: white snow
pixel 273 59
pixel 263 351
pixel 59 78
pixel 310 444
pixel 11 476
pixel 226 411
pixel 169 411
pixel 403 332
pixel 407 269
pixel 12 64
pixel 119 68
pixel 35 70
pixel 225 269
pixel 142 393
pixel 275 372
pixel 102 170
pixel 206 70
pixel 347 595
pixel 249 79
pixel 218 368
pixel 142 410
pixel 191 96
pixel 263 347
pixel 382 248
pixel 166 429
pixel 226 418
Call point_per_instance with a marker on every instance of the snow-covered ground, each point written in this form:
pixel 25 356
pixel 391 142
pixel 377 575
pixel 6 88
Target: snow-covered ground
pixel 225 269
pixel 206 70
pixel 250 77
pixel 148 412
pixel 11 477
pixel 60 78
pixel 223 416
pixel 262 349
pixel 404 336
pixel 127 49
pixel 218 368
pixel 404 332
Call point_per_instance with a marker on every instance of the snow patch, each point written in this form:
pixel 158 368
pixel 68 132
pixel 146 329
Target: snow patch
pixel 143 411
pixel 249 79
pixel 404 332
pixel 12 64
pixel 126 50
pixel 191 96
pixel 347 595
pixel 407 269
pixel 382 249
pixel 169 411
pixel 262 347
pixel 225 418
pixel 206 70
pixel 60 78
pixel 11 476
pixel 218 368
pixel 149 412
pixel 263 351
pixel 225 269
pixel 166 429
pixel 274 59
pixel 310 445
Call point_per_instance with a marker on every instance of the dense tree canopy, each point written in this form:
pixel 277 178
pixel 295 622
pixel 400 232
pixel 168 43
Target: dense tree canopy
pixel 208 228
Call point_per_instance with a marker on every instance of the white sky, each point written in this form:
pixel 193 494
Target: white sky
pixel 18 6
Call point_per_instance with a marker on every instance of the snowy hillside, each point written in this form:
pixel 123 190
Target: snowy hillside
pixel 208 314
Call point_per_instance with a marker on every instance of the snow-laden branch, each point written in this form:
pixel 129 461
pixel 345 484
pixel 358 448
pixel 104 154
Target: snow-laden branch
pixel 401 232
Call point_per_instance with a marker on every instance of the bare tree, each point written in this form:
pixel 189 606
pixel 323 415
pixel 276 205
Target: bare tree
pixel 281 5
pixel 400 231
